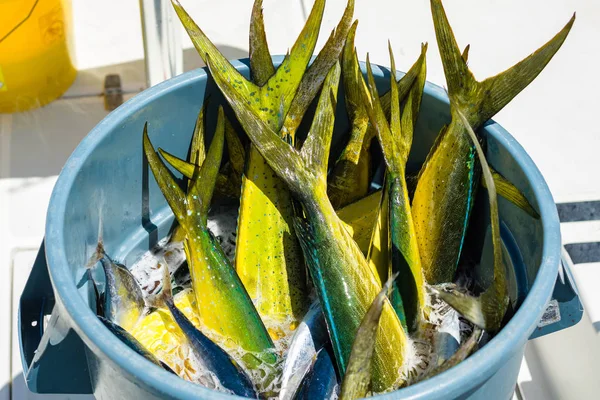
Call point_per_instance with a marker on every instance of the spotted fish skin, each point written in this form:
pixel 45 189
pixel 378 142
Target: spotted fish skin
pixel 397 243
pixel 343 279
pixel 225 308
pixel 123 300
pixel 268 258
pixel 449 179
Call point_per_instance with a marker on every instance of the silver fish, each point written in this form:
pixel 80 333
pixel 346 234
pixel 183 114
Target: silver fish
pixel 310 337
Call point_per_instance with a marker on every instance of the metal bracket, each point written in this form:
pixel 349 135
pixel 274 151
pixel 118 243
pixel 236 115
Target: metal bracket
pixel 113 92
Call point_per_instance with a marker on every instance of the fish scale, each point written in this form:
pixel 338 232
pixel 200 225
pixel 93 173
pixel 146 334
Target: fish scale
pixel 344 281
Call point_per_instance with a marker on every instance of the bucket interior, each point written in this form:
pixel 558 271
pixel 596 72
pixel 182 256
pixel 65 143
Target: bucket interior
pixel 111 179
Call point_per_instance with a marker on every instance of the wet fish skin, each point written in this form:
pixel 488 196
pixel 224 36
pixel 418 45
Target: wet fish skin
pixel 487 310
pixel 309 338
pixel 229 374
pixel 321 381
pixel 123 299
pixel 402 255
pixel 268 258
pixel 344 281
pixel 133 344
pixel 449 178
pixel 351 175
pixel 222 300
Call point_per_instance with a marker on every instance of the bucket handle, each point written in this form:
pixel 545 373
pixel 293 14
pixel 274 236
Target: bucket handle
pixel 52 354
pixel 564 308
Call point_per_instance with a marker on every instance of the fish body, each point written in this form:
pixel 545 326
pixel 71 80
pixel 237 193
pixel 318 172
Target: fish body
pixel 309 338
pixel 346 286
pixel 123 298
pixel 398 249
pixel 441 217
pixel 225 308
pixel 321 380
pixel 449 179
pixel 343 280
pixel 214 358
pixel 269 258
pixel 133 344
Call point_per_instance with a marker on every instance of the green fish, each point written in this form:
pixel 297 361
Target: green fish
pixel 229 180
pixel 225 308
pixel 396 140
pixel 351 175
pixel 449 179
pixel 345 284
pixel 487 310
pixel 358 375
pixel 360 217
pixel 504 188
pixel 268 257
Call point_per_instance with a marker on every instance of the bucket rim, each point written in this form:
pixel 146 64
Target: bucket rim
pixel 451 383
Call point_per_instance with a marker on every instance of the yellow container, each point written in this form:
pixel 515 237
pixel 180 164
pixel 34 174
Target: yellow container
pixel 35 61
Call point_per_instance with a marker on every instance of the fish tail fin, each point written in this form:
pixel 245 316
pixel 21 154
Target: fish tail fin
pixel 195 205
pixel 204 180
pixel 207 49
pixel 165 180
pixel 510 192
pixel 165 296
pixel 261 63
pixel 406 82
pixel 468 306
pixel 487 310
pixel 480 101
pixel 396 137
pixel 182 166
pixel 99 251
pixel 465 350
pixel 301 170
pixel 316 72
pixel 315 150
pixel 197 149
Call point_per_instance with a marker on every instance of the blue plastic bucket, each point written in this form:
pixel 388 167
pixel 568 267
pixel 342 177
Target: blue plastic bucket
pixel 66 349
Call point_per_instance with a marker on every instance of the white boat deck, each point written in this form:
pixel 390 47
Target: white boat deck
pixel 554 119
